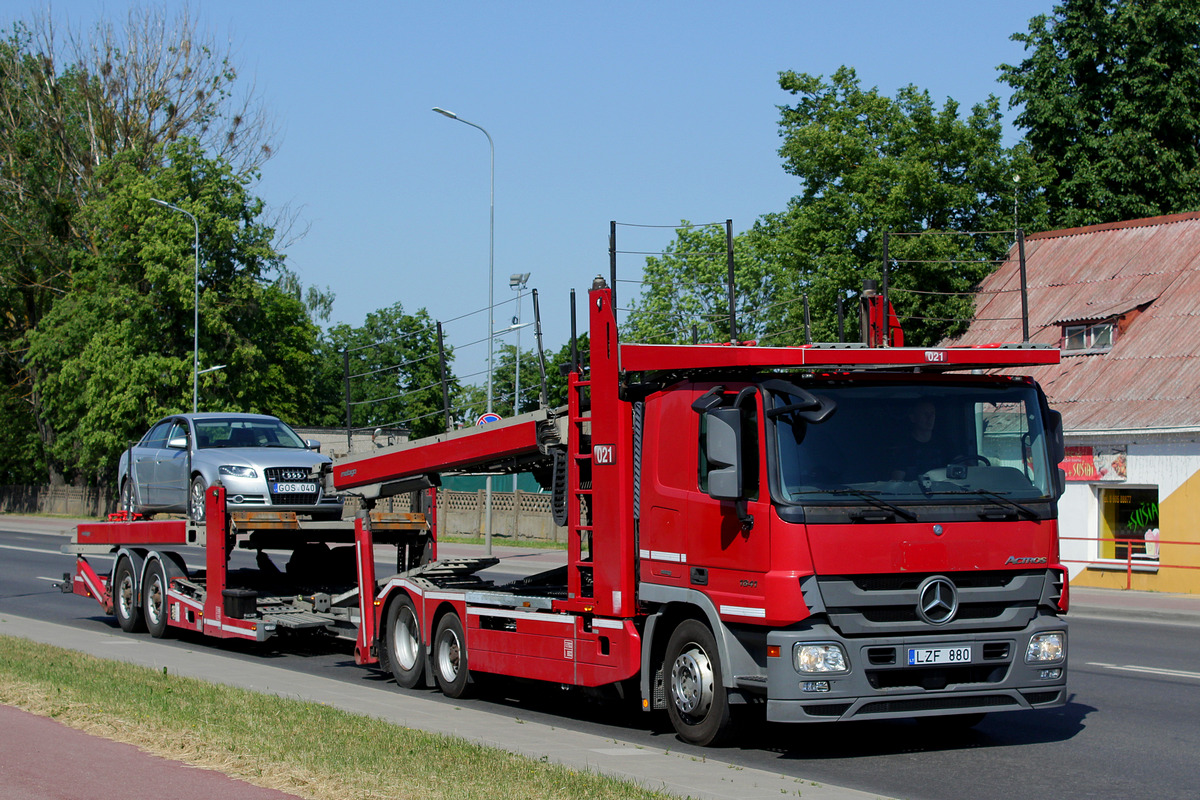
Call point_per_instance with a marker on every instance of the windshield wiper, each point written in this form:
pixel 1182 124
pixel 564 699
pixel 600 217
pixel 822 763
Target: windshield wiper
pixel 999 498
pixel 877 501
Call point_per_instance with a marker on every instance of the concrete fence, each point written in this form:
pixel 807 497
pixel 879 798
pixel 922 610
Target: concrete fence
pixel 515 515
pixel 68 501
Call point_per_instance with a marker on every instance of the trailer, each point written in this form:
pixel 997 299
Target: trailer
pixel 802 534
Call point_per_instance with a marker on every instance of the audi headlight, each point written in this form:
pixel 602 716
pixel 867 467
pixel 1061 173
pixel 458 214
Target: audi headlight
pixel 238 472
pixel 1046 647
pixel 824 658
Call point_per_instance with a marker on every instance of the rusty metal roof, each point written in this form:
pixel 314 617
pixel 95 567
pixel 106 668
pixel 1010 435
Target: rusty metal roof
pixel 1144 272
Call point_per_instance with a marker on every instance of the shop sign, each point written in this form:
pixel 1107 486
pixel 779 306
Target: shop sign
pixel 1095 463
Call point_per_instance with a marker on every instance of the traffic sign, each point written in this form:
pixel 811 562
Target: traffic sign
pixel 484 419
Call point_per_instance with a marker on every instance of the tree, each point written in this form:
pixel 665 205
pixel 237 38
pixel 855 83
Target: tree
pixel 122 94
pixel 870 165
pixel 395 376
pixel 1109 106
pixel 114 352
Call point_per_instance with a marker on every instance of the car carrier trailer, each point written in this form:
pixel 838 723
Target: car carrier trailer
pixel 745 530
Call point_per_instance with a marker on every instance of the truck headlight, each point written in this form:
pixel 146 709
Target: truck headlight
pixel 1046 647
pixel 820 657
pixel 238 472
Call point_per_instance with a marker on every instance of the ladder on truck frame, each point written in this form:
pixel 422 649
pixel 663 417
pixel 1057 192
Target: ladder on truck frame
pixel 580 584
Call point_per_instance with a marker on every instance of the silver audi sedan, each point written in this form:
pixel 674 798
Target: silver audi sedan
pixel 262 463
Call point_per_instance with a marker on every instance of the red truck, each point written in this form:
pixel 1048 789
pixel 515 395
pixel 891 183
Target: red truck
pixel 812 533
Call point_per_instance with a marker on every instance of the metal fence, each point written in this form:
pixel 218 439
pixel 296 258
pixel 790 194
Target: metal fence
pixel 1136 559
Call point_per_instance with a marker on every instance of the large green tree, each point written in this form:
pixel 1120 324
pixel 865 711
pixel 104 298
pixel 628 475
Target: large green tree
pixel 115 351
pixel 941 183
pixel 1108 102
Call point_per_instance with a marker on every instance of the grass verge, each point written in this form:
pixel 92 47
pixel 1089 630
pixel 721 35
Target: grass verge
pixel 502 541
pixel 308 749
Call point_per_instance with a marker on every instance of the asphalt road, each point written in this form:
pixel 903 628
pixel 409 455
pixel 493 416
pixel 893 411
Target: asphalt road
pixel 1129 730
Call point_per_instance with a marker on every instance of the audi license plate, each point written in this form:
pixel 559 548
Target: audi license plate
pixel 295 488
pixel 946 654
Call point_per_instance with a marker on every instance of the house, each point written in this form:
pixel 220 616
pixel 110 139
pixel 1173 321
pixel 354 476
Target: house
pixel 1122 300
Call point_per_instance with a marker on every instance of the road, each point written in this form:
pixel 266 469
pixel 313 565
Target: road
pixel 1129 730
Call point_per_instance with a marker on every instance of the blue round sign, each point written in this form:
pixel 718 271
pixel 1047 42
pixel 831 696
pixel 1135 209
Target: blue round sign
pixel 484 419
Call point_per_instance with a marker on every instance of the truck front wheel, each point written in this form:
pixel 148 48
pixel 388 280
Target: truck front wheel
pixel 405 651
pixel 696 698
pixel 125 598
pixel 450 657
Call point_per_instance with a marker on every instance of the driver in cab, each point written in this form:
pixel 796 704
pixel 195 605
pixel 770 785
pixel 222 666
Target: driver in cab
pixel 919 450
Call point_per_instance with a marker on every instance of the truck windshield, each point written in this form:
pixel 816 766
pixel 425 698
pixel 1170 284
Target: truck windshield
pixel 976 441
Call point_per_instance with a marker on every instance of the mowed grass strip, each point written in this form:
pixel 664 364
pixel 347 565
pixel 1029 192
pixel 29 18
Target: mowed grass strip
pixel 308 749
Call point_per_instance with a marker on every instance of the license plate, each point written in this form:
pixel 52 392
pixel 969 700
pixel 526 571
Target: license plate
pixel 947 654
pixel 295 488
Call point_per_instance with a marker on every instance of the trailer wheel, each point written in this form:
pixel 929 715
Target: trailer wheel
pixel 450 657
pixel 696 698
pixel 405 651
pixel 154 600
pixel 125 598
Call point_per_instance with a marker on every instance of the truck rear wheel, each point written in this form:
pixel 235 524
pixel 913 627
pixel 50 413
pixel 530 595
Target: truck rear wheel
pixel 125 597
pixel 154 600
pixel 697 701
pixel 405 651
pixel 450 657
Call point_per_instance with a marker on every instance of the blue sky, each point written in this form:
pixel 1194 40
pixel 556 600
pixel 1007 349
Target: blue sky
pixel 641 112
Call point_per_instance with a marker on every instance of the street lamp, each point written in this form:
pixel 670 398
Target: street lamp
pixel 491 322
pixel 517 282
pixel 195 304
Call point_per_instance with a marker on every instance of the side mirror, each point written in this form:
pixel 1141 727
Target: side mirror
pixel 178 443
pixel 723 449
pixel 1054 438
pixel 313 444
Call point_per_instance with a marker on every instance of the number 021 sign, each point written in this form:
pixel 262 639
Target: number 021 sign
pixel 603 453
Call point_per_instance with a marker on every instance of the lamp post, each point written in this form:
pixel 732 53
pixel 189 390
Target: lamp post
pixel 517 282
pixel 491 322
pixel 195 304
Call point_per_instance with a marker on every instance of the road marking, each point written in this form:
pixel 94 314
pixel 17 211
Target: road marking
pixel 1173 673
pixel 32 549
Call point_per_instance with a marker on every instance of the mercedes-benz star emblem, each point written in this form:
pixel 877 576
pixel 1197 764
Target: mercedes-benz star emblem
pixel 937 600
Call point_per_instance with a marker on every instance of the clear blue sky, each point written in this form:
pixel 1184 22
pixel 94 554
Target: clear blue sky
pixel 642 112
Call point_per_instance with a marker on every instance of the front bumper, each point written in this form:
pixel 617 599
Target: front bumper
pixel 879 684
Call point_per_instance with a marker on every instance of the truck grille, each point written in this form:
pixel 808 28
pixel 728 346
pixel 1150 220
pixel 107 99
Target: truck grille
pixel 873 605
pixel 285 474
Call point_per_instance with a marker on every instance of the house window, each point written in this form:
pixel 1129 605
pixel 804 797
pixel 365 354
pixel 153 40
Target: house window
pixel 1094 337
pixel 1129 524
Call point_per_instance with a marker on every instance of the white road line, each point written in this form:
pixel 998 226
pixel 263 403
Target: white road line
pixel 1173 673
pixel 32 549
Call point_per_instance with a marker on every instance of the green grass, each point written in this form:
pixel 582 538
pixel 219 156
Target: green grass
pixel 308 749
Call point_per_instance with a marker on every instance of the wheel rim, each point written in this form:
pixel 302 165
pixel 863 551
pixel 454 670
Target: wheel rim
pixel 154 600
pixel 405 643
pixel 198 501
pixel 125 598
pixel 449 653
pixel 692 682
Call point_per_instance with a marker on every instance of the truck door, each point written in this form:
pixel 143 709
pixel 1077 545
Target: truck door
pixel 730 538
